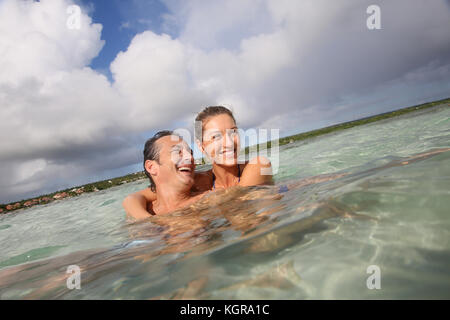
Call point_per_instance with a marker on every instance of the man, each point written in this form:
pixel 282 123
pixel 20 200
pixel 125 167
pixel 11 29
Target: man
pixel 169 164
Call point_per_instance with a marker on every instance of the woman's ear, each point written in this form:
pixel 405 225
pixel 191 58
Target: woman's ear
pixel 151 167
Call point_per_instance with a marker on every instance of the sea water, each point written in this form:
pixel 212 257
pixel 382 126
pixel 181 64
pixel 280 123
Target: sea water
pixel 372 197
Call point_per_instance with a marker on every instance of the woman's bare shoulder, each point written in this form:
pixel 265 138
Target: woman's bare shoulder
pixel 256 171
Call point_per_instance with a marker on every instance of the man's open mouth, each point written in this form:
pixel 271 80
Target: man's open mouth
pixel 185 169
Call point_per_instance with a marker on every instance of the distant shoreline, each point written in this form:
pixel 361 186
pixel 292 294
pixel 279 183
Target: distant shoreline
pixel 354 123
pixel 106 184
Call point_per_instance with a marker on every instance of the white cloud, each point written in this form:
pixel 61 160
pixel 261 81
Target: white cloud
pixel 50 101
pixel 152 74
pixel 289 55
pixel 36 42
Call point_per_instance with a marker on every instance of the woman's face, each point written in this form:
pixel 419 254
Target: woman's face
pixel 221 139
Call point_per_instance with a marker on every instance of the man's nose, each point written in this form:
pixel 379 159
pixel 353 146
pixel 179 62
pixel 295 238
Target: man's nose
pixel 187 156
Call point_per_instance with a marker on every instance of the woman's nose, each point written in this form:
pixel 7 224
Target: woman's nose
pixel 228 143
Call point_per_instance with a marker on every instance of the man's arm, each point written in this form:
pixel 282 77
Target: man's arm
pixel 136 204
pixel 258 171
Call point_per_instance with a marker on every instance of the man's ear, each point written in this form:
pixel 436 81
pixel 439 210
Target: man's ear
pixel 151 167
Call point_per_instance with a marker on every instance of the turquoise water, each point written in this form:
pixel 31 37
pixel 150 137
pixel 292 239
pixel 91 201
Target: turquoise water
pixel 382 198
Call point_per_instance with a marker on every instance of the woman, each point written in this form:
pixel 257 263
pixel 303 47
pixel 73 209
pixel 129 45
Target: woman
pixel 218 139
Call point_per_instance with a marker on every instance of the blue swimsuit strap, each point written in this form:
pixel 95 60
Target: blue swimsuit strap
pixel 239 177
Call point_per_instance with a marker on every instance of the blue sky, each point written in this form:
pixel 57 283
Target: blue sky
pixel 81 102
pixel 121 21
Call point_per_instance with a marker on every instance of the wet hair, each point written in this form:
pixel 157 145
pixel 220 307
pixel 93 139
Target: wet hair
pixel 207 113
pixel 151 152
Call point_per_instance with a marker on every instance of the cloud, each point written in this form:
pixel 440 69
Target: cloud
pixel 291 55
pixel 36 42
pixel 153 75
pixel 295 65
pixel 51 103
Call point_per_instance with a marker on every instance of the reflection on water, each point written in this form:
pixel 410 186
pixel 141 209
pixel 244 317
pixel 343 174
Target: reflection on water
pixel 313 239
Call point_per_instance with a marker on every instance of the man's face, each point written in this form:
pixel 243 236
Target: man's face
pixel 176 163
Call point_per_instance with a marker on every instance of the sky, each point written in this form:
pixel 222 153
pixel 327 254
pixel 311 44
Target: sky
pixel 81 91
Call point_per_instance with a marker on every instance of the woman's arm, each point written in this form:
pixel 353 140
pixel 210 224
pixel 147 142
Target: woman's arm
pixel 256 172
pixel 136 204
